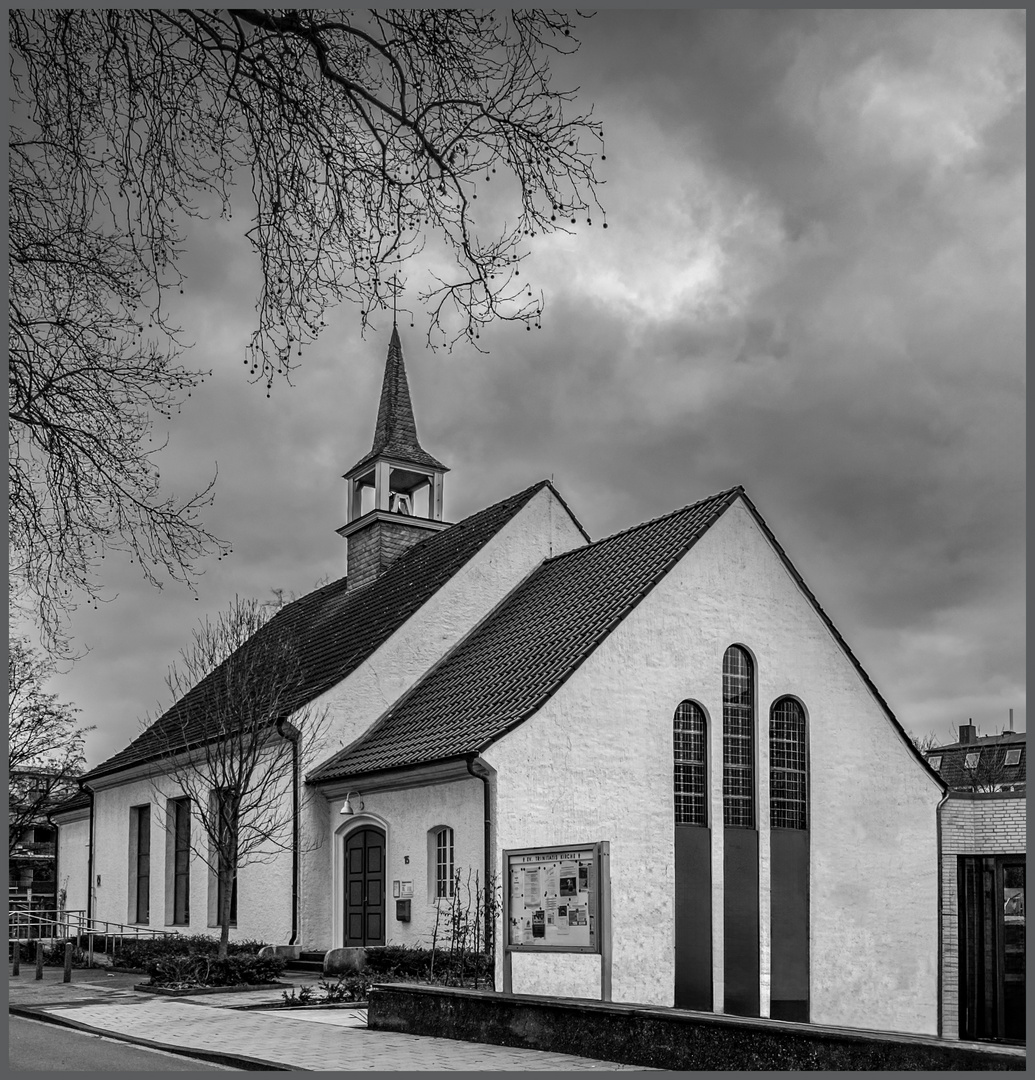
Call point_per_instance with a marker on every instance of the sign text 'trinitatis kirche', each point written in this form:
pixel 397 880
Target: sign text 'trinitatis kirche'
pixel 504 683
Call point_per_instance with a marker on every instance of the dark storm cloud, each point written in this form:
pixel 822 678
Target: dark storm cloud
pixel 812 283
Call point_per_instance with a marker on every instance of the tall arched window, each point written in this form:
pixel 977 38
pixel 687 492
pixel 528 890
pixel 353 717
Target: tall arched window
pixel 689 752
pixel 788 776
pixel 443 861
pixel 738 734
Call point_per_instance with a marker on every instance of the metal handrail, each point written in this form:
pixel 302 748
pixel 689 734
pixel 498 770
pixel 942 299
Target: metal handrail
pixel 54 924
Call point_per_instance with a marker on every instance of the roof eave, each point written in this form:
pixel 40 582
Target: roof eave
pixel 828 622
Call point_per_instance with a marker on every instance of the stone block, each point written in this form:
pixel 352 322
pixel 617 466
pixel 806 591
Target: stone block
pixel 289 952
pixel 344 961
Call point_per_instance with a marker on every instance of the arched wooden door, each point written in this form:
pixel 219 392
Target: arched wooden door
pixel 365 887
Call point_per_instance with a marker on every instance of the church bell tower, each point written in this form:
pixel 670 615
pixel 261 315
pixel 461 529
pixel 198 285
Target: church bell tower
pixel 394 495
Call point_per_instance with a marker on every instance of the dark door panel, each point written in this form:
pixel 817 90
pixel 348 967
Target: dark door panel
pixel 991 947
pixel 364 887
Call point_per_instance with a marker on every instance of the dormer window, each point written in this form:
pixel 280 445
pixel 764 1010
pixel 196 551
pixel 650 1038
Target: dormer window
pixel 1013 757
pixel 972 759
pixel 935 762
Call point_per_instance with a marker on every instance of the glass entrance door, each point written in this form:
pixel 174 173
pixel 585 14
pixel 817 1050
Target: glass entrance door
pixel 992 947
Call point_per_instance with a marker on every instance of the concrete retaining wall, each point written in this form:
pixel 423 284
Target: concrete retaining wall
pixel 664 1038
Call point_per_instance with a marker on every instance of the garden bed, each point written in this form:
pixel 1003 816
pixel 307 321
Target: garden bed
pixel 184 991
pixel 267 1006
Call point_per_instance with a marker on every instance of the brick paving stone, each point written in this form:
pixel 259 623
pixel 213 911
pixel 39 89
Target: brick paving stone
pixel 308 1042
pixel 308 1039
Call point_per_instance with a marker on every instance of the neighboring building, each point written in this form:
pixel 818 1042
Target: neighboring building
pixel 504 682
pixel 71 818
pixel 33 794
pixel 983 865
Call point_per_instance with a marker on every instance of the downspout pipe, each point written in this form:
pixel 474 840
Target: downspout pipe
pixel 941 922
pixel 57 866
pixel 480 771
pixel 89 856
pixel 288 731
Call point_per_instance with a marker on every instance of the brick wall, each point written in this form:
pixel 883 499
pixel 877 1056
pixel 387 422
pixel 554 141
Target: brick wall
pixel 373 549
pixel 971 824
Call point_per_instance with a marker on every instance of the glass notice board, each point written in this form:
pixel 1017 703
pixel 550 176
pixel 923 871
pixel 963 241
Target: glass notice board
pixel 553 898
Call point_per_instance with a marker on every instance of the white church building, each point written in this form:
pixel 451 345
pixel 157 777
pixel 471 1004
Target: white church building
pixel 505 682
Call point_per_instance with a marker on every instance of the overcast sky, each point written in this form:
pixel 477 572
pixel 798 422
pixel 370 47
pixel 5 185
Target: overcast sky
pixel 812 284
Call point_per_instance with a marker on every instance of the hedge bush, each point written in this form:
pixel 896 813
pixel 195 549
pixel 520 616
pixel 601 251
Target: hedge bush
pixel 202 968
pixel 139 952
pixel 398 963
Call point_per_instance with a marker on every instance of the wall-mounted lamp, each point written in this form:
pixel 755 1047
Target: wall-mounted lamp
pixel 347 808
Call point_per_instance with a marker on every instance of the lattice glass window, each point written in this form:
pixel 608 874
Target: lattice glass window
pixel 935 762
pixel 142 816
pixel 224 804
pixel 181 861
pixel 444 862
pixel 689 750
pixel 971 760
pixel 788 774
pixel 738 734
pixel 1013 757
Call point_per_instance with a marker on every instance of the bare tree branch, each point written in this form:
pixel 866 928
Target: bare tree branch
pixel 44 745
pixel 234 754
pixel 364 136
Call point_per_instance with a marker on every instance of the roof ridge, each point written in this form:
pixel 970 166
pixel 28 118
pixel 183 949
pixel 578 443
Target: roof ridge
pixel 725 494
pixel 287 616
pixel 675 544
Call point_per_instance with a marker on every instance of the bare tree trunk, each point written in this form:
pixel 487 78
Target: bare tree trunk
pixel 226 882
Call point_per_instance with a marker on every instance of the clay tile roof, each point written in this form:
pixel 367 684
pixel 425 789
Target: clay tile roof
pixel 991 769
pixel 527 647
pixel 80 801
pixel 335 630
pixel 395 434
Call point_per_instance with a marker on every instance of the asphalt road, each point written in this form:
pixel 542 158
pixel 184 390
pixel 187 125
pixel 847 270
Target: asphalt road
pixel 38 1047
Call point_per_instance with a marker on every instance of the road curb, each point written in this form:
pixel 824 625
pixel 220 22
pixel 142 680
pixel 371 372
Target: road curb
pixel 215 1057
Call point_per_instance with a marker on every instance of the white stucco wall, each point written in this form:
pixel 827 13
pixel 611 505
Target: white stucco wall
pixel 263 888
pixel 596 764
pixel 406 816
pixel 73 854
pixel 542 528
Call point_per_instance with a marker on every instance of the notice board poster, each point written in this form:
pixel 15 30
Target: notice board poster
pixel 553 898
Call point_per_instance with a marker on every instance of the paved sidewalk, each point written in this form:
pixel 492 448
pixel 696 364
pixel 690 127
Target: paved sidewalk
pixel 216 1027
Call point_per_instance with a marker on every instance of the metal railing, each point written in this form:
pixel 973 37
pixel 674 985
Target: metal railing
pixel 40 848
pixel 54 925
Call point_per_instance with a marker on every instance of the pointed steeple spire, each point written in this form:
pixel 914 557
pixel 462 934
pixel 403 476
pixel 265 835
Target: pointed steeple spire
pixel 395 492
pixel 395 434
